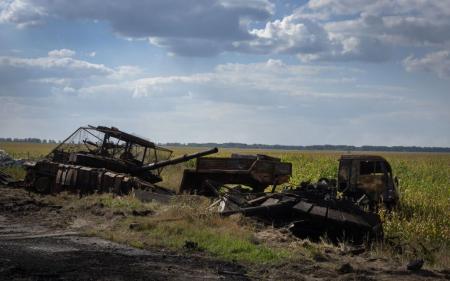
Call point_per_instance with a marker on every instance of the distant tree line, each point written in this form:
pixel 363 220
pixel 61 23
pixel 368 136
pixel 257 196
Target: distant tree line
pixel 268 146
pixel 315 147
pixel 29 140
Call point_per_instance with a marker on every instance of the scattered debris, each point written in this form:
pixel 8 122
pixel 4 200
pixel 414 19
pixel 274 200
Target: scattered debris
pixel 5 179
pixel 307 212
pixel 7 161
pixel 415 265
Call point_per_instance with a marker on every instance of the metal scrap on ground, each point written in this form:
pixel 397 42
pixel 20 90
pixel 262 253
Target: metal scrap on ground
pixel 7 161
pixel 311 212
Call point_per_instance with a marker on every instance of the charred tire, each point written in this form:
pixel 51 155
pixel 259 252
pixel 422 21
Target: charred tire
pixel 42 185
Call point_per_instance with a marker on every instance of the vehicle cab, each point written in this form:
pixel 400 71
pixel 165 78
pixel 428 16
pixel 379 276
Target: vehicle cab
pixel 370 177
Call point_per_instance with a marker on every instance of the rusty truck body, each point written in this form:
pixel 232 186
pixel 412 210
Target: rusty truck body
pixel 255 171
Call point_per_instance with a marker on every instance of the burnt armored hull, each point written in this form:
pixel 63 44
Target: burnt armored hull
pixel 101 159
pixel 51 177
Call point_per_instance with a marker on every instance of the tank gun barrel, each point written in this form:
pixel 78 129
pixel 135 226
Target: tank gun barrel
pixel 184 158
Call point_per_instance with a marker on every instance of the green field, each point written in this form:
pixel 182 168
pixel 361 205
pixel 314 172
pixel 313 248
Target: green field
pixel 420 226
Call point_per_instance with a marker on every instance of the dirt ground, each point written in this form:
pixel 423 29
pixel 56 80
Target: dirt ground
pixel 41 242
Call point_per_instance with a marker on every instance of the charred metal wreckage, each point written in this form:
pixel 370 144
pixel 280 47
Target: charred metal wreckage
pixel 340 209
pixel 101 159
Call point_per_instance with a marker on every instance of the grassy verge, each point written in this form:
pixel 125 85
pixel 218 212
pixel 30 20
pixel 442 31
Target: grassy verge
pixel 184 224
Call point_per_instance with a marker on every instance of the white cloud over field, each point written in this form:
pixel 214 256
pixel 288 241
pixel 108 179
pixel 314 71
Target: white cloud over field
pixel 267 102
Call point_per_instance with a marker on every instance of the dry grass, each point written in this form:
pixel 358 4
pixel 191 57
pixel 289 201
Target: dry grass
pixel 26 150
pixel 184 220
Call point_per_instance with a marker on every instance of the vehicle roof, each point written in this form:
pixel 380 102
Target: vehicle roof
pixel 362 157
pixel 116 133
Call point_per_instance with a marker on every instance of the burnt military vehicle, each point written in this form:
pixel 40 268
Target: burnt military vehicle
pixel 340 209
pixel 254 171
pixel 367 178
pixel 102 159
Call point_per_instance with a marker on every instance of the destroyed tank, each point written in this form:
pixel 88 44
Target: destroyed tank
pixel 102 159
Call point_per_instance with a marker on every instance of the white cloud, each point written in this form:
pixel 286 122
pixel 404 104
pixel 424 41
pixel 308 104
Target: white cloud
pixel 126 72
pixel 23 13
pixel 271 83
pixel 44 75
pixel 436 62
pixel 314 103
pixel 61 53
pixel 56 63
pixel 288 36
pixel 353 30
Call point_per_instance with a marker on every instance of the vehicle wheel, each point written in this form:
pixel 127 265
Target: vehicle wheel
pixel 42 185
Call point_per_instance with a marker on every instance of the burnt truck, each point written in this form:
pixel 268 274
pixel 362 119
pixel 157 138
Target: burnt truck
pixel 254 171
pixel 367 179
pixel 102 159
pixel 341 209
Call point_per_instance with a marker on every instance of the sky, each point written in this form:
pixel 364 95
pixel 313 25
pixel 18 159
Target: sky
pixel 354 72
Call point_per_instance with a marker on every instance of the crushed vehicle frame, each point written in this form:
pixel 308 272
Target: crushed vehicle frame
pixel 311 212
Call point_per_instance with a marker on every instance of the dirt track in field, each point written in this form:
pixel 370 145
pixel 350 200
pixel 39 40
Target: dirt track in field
pixel 34 247
pixel 37 242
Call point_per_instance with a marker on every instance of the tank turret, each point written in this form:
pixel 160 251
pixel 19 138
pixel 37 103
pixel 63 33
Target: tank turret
pixel 102 159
